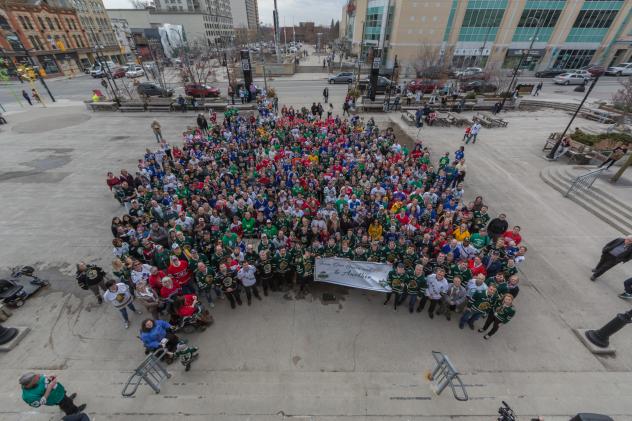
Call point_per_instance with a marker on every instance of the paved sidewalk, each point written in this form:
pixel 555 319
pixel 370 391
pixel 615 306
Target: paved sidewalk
pixel 284 357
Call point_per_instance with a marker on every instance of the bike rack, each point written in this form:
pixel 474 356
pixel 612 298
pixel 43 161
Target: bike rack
pixel 444 374
pixel 151 370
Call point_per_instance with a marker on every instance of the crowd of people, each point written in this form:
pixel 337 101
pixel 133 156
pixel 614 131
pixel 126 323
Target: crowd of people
pixel 242 209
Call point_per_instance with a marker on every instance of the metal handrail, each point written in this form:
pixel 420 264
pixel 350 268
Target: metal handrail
pixel 584 182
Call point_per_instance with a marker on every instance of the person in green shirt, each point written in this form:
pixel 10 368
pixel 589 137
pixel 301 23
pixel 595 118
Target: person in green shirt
pixel 38 390
pixel 502 314
pixel 478 304
pixel 229 240
pixel 397 280
pixel 248 225
pixel 269 230
pixel 480 239
pixel 331 249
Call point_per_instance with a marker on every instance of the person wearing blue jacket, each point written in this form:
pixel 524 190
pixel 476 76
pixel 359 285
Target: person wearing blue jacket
pixel 154 332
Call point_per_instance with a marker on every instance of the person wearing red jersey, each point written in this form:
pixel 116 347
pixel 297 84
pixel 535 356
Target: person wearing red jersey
pixel 179 271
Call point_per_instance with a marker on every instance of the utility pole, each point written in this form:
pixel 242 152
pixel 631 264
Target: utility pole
pixel 275 19
pixel 480 56
pixel 517 68
pixel 568 126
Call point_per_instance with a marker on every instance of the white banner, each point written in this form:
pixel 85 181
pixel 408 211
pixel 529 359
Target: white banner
pixel 363 275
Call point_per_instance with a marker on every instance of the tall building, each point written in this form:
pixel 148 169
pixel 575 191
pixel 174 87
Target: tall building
pixel 245 14
pixel 491 33
pixel 215 14
pixel 124 38
pixel 98 28
pixel 49 36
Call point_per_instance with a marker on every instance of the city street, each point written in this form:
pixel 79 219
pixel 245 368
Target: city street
pixel 299 89
pixel 286 357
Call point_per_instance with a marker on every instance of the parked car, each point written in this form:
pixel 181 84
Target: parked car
pixel 550 72
pixel 468 72
pixel 342 77
pixel 623 69
pixel 134 71
pixel 569 79
pixel 100 68
pixel 119 72
pixel 199 89
pixel 584 73
pixel 594 69
pixel 426 86
pixel 480 87
pixel 382 84
pixel 150 89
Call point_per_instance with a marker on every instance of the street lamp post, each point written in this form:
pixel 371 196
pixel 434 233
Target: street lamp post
pixel 522 57
pixel 39 76
pixel 551 154
pixel 601 337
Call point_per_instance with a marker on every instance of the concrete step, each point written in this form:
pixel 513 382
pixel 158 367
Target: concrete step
pixel 337 395
pixel 600 193
pixel 611 214
pixel 616 218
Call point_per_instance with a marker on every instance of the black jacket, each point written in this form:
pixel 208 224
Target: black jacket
pixel 627 255
pixel 497 226
pixel 93 275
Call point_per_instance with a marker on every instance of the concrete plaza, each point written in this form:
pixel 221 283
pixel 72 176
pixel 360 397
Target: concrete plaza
pixel 302 358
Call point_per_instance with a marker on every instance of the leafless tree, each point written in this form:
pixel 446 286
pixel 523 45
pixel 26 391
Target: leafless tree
pixel 199 61
pixel 429 63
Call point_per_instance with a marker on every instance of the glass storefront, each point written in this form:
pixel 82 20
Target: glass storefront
pixel 573 59
pixel 49 64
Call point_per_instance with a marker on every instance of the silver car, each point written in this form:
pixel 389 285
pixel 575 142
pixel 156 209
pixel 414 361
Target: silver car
pixel 342 77
pixel 569 79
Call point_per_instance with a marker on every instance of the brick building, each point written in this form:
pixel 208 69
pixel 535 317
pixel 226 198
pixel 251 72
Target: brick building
pixel 38 34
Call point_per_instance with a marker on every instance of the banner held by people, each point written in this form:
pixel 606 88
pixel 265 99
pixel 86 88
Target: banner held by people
pixel 364 275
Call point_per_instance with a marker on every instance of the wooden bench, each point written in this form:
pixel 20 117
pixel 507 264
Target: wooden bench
pixel 160 104
pixel 132 106
pixel 489 121
pixel 101 106
pixel 457 121
pixel 215 106
pixel 372 107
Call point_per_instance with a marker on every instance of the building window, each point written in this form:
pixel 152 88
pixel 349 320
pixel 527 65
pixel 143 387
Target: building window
pixel 595 18
pixel 50 24
pixel 483 18
pixel 41 22
pixel 57 23
pixel 573 59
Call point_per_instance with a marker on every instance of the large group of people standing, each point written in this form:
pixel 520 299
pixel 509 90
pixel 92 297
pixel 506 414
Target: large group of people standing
pixel 244 207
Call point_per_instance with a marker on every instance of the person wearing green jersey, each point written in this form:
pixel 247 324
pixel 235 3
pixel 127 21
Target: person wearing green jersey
pixel 480 239
pixel 478 304
pixel 248 225
pixel 397 280
pixel 205 280
pixel 305 270
pixel 265 272
pixel 502 314
pixel 39 390
pixel 282 268
pixel 416 279
pixel 375 253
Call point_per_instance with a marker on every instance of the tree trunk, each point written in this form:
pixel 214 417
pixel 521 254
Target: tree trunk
pixel 619 173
